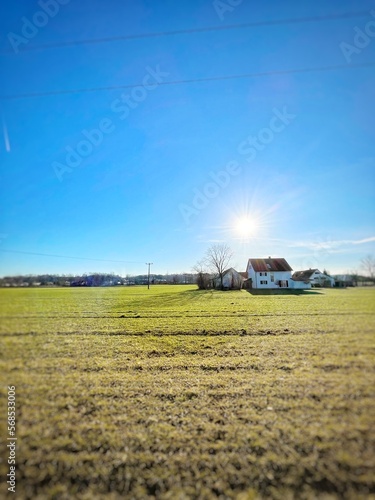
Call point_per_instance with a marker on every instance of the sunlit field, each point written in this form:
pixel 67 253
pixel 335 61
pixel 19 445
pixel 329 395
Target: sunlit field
pixel 176 393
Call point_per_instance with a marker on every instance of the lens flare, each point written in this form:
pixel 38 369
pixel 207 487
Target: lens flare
pixel 246 226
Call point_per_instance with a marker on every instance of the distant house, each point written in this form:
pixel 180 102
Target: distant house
pixel 344 280
pixel 315 277
pixel 232 280
pixel 272 273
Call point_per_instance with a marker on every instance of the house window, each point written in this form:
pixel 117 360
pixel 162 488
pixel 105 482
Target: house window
pixel 262 274
pixel 263 282
pixel 272 278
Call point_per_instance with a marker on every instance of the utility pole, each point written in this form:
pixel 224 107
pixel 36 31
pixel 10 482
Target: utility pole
pixel 148 274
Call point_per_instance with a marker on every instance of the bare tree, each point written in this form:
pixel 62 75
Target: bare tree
pixel 217 259
pixel 368 264
pixel 203 277
pixel 354 274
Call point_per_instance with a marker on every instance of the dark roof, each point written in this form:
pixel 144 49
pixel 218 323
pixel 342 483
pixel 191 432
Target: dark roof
pixel 303 275
pixel 266 265
pixel 243 274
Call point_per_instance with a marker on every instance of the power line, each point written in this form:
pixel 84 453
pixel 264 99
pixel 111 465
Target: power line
pixel 192 80
pixel 256 24
pixel 69 257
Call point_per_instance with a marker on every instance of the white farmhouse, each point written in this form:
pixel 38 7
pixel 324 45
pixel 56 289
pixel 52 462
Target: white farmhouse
pixel 272 273
pixel 315 277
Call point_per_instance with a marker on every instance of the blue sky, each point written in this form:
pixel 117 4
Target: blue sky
pixel 171 168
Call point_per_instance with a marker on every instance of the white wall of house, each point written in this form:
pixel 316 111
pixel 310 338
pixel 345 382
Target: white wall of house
pixel 276 279
pixel 318 278
pixel 270 279
pixel 299 285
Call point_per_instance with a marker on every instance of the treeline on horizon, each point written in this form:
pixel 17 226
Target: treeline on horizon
pixel 96 279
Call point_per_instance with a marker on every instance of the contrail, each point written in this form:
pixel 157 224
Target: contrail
pixel 6 137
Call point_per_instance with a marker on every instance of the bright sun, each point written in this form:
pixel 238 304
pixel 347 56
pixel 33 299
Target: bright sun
pixel 246 226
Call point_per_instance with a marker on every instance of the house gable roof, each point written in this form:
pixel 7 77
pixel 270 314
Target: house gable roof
pixel 231 269
pixel 267 265
pixel 307 274
pixel 303 275
pixel 228 270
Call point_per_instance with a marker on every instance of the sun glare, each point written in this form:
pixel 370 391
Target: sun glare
pixel 246 226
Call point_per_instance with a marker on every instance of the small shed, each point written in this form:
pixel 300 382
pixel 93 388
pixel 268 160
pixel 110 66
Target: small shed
pixel 232 280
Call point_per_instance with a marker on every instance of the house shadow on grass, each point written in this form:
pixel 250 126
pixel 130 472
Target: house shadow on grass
pixel 252 291
pixel 283 291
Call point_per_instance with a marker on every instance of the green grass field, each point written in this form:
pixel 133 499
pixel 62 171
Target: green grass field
pixel 175 393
